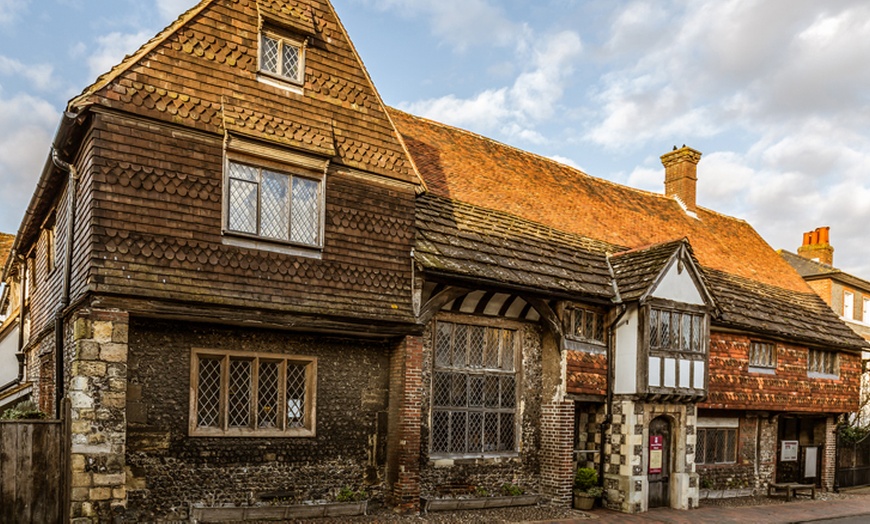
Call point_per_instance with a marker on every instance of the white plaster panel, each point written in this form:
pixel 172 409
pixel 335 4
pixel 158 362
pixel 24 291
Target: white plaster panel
pixel 655 371
pixel 698 376
pixel 678 286
pixel 626 353
pixel 685 373
pixel 670 373
pixel 8 360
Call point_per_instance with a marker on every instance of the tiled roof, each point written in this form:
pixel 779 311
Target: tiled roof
pixel 5 248
pixel 470 168
pixel 541 203
pixel 637 269
pixel 475 242
pixel 806 267
pixel 749 304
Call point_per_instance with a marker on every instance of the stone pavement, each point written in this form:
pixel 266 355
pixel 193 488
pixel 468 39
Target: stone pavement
pixel 792 512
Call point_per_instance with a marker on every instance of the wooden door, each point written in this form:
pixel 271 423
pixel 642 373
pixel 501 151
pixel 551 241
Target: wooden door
pixel 659 470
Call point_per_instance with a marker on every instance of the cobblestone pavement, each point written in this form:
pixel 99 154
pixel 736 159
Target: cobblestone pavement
pixel 747 510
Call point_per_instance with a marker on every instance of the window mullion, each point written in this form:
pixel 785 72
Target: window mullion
pixel 255 393
pixel 282 394
pixel 224 392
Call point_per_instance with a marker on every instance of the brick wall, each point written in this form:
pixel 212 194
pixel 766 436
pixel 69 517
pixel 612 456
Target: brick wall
pixel 732 386
pixel 167 469
pixel 557 464
pixel 403 441
pixel 587 373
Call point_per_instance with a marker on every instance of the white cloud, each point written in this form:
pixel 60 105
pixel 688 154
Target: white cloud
pixel 40 75
pixel 459 23
pixel 171 9
pixel 112 48
pixel 567 161
pixel 515 110
pixel 26 123
pixel 9 9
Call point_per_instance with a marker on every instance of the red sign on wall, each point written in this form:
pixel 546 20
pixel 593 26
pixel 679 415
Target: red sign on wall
pixel 655 454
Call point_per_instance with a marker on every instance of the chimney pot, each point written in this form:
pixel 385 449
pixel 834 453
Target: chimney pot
pixel 817 246
pixel 681 175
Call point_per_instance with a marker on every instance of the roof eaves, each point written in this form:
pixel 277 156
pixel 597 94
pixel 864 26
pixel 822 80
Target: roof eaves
pixel 130 60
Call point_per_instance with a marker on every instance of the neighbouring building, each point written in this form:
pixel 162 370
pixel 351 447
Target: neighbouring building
pixel 847 294
pixel 13 387
pixel 251 277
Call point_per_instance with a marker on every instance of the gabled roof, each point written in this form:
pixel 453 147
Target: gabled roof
pixel 203 68
pixel 812 270
pixel 465 240
pixel 638 270
pixel 467 167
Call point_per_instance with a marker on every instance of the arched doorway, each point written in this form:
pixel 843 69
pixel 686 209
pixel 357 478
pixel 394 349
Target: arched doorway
pixel 659 472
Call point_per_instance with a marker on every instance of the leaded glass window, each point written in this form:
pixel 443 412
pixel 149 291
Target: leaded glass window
pixel 273 205
pixel 822 362
pixel 281 57
pixel 716 446
pixel 586 324
pixel 676 331
pixel 236 393
pixel 474 389
pixel 762 355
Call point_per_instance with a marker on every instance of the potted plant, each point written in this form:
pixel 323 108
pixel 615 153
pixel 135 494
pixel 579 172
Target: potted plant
pixel 586 488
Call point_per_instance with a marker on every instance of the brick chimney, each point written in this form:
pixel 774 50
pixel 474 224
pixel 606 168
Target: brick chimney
pixel 681 175
pixel 817 246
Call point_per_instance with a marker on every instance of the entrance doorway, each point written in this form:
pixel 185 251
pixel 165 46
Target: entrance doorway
pixel 659 473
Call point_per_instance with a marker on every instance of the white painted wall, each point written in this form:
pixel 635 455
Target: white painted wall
pixel 678 286
pixel 8 361
pixel 626 353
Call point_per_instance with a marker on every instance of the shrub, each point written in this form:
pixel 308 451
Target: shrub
pixel 346 494
pixel 585 478
pixel 24 410
pixel 511 490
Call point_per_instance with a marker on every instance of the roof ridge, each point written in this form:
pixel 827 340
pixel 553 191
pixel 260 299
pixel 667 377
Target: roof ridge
pixel 648 247
pixel 131 59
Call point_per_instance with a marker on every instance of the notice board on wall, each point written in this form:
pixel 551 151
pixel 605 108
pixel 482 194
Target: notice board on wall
pixel 789 451
pixel 655 454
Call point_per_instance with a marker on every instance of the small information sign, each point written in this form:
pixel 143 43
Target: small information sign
pixel 789 451
pixel 655 454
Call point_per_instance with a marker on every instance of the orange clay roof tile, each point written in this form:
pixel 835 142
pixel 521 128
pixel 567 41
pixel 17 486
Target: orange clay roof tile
pixel 464 166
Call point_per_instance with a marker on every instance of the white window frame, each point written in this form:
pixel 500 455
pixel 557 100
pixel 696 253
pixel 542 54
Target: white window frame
pixel 865 316
pixel 262 165
pixel 284 429
pixel 282 41
pixel 848 305
pixel 823 364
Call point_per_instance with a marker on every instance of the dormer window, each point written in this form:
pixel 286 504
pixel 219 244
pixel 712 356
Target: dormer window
pixel 282 58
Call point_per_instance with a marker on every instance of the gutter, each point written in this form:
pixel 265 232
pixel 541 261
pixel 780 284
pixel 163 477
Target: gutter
pixel 72 186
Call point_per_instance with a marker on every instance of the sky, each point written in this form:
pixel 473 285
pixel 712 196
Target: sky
pixel 774 93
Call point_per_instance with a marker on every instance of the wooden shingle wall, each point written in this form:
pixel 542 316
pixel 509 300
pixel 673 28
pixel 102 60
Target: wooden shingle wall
pixel 587 373
pixel 157 232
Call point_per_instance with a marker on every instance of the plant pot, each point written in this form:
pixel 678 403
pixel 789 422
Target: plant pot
pixel 582 500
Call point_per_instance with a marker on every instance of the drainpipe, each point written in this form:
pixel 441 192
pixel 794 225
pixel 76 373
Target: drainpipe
pixel 608 384
pixel 22 278
pixel 67 275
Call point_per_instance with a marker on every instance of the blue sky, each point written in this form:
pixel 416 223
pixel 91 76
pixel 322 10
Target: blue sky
pixel 775 93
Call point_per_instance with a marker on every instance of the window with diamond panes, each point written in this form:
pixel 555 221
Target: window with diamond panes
pixel 587 324
pixel 257 394
pixel 822 362
pixel 716 446
pixel 474 390
pixel 762 355
pixel 282 57
pixel 676 331
pixel 273 205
